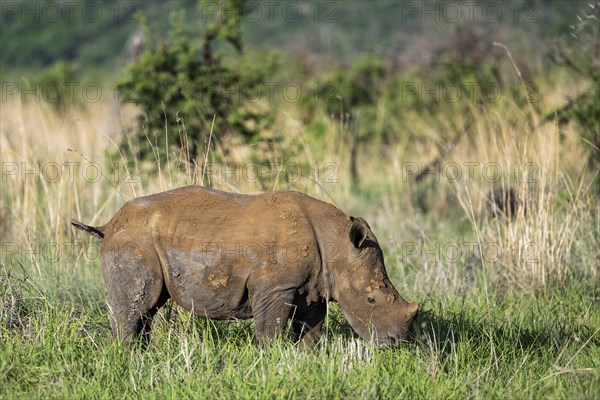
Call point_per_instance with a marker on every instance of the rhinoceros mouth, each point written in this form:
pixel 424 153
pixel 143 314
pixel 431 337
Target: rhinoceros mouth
pixel 395 337
pixel 397 340
pixel 392 339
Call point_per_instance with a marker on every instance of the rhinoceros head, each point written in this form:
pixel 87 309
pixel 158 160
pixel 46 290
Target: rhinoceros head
pixel 366 296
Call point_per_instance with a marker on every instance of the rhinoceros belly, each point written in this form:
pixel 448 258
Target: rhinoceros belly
pixel 207 284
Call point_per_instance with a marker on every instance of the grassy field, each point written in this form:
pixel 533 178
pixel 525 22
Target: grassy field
pixel 510 303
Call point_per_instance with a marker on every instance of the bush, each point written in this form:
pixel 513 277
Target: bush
pixel 54 85
pixel 580 53
pixel 181 80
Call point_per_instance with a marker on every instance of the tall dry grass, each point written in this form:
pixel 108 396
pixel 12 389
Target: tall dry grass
pixel 54 169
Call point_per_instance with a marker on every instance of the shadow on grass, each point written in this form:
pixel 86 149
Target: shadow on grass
pixel 541 330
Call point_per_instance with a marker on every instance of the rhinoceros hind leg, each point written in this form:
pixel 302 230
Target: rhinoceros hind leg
pixel 307 325
pixel 136 290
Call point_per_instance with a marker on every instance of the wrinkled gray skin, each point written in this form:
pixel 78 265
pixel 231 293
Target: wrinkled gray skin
pixel 273 256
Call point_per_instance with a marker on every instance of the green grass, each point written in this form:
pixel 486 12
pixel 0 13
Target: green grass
pixel 55 343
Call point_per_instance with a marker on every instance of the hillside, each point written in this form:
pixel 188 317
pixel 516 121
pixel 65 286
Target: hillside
pixel 96 36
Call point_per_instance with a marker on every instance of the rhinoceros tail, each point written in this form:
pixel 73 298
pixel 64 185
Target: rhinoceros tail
pixel 88 229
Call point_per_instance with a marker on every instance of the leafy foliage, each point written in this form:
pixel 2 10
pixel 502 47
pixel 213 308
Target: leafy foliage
pixel 182 81
pixel 580 53
pixel 56 85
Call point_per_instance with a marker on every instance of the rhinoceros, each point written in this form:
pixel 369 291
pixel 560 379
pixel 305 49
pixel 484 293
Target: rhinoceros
pixel 273 257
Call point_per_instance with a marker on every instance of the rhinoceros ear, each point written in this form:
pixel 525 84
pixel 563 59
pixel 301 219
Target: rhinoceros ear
pixel 359 231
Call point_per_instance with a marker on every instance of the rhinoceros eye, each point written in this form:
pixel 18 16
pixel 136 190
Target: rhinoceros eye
pixel 371 300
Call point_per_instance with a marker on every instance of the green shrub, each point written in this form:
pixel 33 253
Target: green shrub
pixel 56 85
pixel 182 81
pixel 579 53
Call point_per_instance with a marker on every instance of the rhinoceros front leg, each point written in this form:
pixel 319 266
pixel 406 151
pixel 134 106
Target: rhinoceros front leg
pixel 271 311
pixel 307 325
